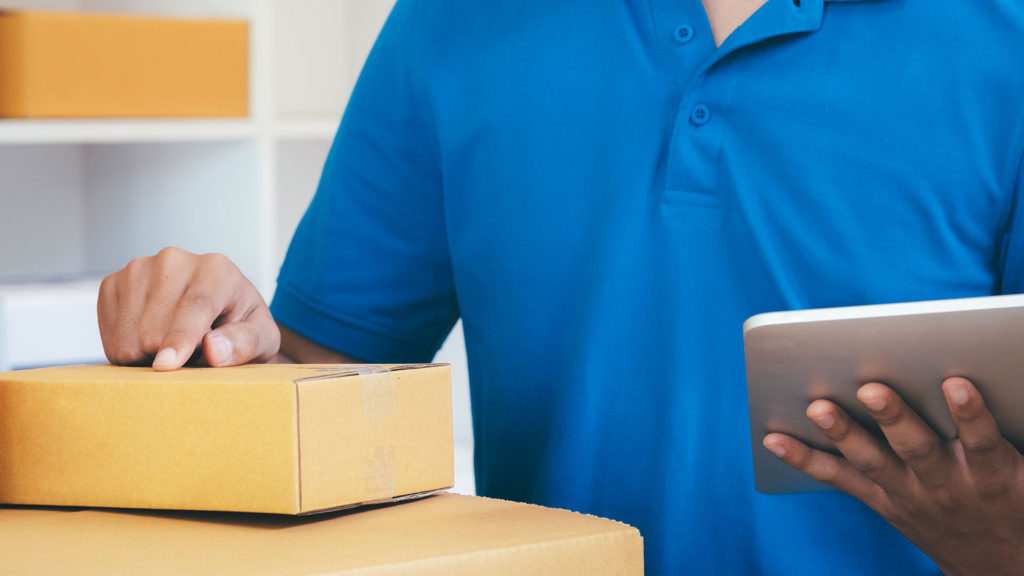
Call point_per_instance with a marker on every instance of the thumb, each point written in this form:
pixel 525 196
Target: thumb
pixel 237 343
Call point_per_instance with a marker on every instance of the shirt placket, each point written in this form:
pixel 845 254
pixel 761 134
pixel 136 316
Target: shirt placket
pixel 703 87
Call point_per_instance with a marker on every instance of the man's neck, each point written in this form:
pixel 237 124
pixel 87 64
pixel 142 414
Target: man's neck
pixel 726 16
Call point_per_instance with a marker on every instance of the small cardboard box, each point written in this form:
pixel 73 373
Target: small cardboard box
pixel 286 439
pixel 442 535
pixel 66 64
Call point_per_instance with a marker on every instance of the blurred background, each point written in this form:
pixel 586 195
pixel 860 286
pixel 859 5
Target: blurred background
pixel 81 197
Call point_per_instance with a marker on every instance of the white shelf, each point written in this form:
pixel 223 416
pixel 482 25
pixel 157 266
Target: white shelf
pixel 104 131
pixel 128 130
pixel 305 128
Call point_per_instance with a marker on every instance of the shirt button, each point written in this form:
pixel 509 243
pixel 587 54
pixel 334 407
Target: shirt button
pixel 700 115
pixel 684 34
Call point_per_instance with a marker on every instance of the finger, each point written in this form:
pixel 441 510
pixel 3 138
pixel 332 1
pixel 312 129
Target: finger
pixel 119 306
pixel 255 339
pixel 202 303
pixel 866 452
pixel 165 289
pixel 913 441
pixel 106 314
pixel 826 468
pixel 987 452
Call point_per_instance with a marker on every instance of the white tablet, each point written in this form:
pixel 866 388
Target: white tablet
pixel 796 357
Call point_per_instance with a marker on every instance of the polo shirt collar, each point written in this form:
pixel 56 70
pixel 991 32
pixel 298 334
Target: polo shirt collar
pixel 777 18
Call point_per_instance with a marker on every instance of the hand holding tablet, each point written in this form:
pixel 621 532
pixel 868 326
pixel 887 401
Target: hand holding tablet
pixel 911 408
pixel 794 358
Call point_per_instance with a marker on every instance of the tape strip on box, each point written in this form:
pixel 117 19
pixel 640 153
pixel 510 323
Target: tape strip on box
pixel 380 403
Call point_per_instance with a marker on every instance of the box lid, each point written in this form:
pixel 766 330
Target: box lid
pixel 446 534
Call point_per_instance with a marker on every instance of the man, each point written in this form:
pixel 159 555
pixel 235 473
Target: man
pixel 604 194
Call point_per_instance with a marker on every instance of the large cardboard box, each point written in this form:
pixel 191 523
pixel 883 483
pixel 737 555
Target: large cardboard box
pixel 288 439
pixel 442 535
pixel 65 64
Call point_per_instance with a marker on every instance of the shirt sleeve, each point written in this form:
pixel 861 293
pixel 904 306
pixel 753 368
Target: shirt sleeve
pixel 1012 253
pixel 368 271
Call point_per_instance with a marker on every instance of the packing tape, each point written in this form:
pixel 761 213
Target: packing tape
pixel 380 404
pixel 380 476
pixel 380 401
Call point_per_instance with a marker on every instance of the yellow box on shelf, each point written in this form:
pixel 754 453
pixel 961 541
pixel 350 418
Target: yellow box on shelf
pixel 69 64
pixel 286 439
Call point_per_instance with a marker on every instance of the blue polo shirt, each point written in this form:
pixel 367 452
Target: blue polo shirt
pixel 603 197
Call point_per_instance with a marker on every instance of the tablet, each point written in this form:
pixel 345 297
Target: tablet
pixel 796 357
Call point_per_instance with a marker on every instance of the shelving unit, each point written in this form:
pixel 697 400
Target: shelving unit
pixel 79 198
pixel 305 56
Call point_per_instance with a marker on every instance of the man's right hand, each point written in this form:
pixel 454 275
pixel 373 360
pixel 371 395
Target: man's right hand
pixel 165 308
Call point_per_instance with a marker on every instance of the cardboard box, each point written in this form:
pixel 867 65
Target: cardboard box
pixel 447 534
pixel 65 64
pixel 287 439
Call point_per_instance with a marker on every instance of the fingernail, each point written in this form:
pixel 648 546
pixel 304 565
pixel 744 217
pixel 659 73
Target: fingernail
pixel 826 420
pixel 958 393
pixel 165 358
pixel 875 403
pixel 776 448
pixel 219 349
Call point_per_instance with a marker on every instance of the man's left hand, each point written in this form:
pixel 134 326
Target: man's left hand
pixel 961 502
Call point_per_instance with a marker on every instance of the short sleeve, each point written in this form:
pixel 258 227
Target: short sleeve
pixel 368 272
pixel 1012 253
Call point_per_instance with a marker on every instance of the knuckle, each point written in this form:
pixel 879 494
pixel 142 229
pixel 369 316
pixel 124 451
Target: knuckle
pixel 891 418
pixel 125 355
pixel 166 263
pixel 245 342
pixel 828 473
pixel 172 261
pixel 994 491
pixel 947 501
pixel 840 432
pixel 265 335
pixel 106 301
pixel 971 412
pixel 872 467
pixel 804 460
pixel 894 514
pixel 170 253
pixel 108 285
pixel 201 301
pixel 136 268
pixel 271 341
pixel 150 342
pixel 216 261
pixel 982 445
pixel 917 452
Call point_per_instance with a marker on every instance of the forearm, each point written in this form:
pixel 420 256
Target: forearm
pixel 296 348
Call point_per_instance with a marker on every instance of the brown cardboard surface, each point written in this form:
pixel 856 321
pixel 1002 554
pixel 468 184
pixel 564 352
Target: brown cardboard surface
pixel 287 439
pixel 446 534
pixel 65 64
